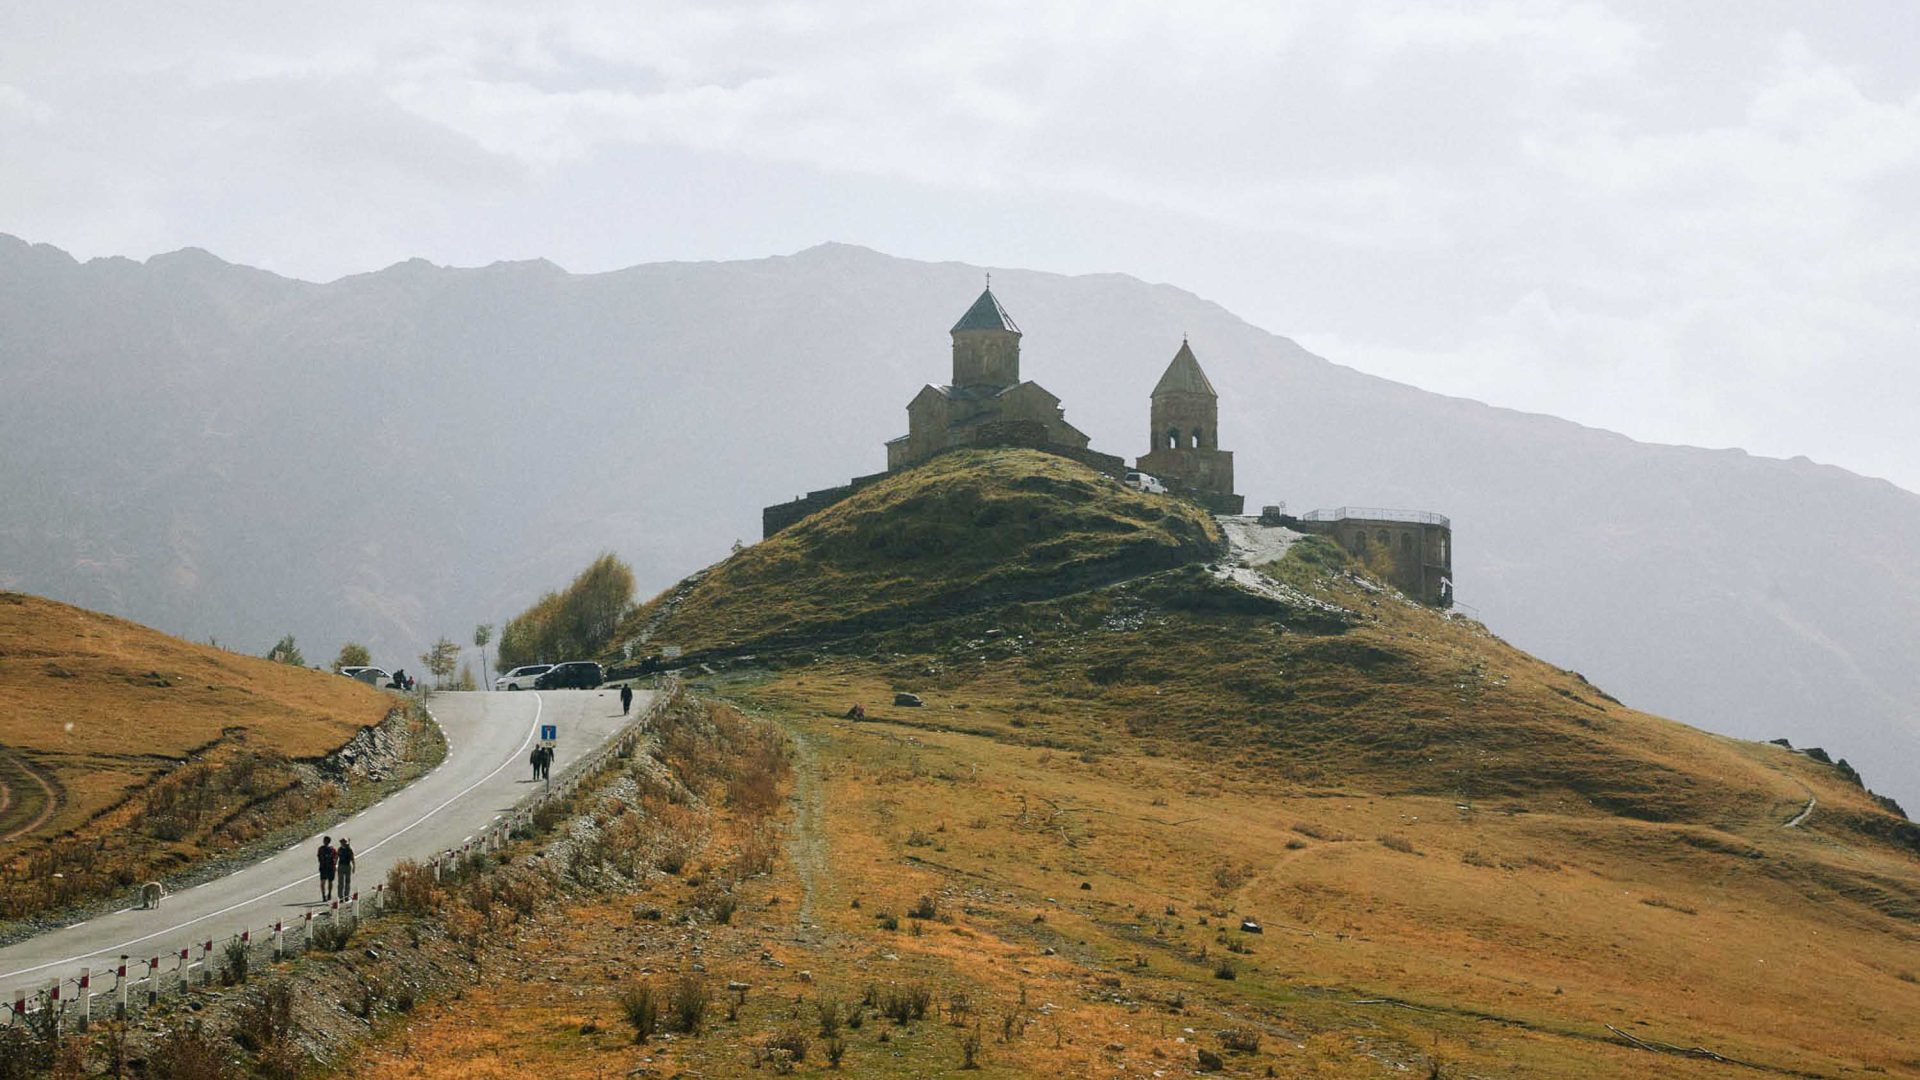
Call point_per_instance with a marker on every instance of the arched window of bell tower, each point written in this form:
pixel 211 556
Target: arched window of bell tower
pixel 1196 438
pixel 1173 438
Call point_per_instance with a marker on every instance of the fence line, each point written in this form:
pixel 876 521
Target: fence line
pixel 141 983
pixel 1374 513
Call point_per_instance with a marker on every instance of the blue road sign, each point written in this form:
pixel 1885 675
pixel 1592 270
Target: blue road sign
pixel 549 732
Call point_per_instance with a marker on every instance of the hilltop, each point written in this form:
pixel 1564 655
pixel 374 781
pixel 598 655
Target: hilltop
pixel 390 413
pixel 126 754
pixel 967 531
pixel 1205 804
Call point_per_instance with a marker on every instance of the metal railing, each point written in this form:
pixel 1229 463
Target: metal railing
pixel 1374 513
pixel 140 983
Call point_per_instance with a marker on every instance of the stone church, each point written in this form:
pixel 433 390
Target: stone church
pixel 987 403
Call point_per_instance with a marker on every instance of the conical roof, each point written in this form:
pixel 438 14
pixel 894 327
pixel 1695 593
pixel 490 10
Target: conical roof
pixel 986 314
pixel 1184 376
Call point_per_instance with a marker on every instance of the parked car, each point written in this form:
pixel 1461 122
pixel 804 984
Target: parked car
pixel 372 676
pixel 522 677
pixel 572 675
pixel 1140 481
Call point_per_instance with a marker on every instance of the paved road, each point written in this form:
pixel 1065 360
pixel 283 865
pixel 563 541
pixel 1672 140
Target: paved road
pixel 489 736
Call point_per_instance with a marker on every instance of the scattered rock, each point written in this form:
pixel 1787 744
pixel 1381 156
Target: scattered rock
pixel 1208 1060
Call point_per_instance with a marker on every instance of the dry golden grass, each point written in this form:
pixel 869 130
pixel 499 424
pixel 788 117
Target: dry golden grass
pixel 1461 858
pixel 1512 968
pixel 94 710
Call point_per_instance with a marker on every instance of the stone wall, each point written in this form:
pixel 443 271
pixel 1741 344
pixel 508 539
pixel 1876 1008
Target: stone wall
pixel 1415 557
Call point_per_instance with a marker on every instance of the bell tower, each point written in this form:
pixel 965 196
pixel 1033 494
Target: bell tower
pixel 1184 439
pixel 986 346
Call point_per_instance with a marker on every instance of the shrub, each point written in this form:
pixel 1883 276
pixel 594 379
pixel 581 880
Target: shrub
pixel 333 934
pixel 411 888
pixel 835 1049
pixel 903 1005
pixel 1226 969
pixel 266 1022
pixel 1395 842
pixel 188 1053
pixel 688 1004
pixel 235 956
pixel 642 1010
pixel 758 851
pixel 888 921
pixel 970 1049
pixel 788 1046
pixel 28 1050
pixel 1240 1040
pixel 924 908
pixel 829 1011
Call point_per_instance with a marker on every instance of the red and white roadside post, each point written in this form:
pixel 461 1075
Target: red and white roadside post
pixel 184 970
pixel 153 982
pixel 18 1015
pixel 279 946
pixel 85 998
pixel 120 990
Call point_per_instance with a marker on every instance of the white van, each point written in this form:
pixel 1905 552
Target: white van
pixel 1140 481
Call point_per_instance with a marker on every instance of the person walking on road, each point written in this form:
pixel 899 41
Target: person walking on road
pixel 546 763
pixel 343 869
pixel 626 698
pixel 329 861
pixel 534 760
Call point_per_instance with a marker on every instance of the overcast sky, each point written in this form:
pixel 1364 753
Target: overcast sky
pixel 1688 222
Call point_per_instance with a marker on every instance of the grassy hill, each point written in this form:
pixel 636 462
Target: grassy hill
pixel 1462 861
pixel 126 754
pixel 968 530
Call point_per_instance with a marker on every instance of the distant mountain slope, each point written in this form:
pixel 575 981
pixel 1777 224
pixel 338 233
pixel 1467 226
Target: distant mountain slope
pixel 390 456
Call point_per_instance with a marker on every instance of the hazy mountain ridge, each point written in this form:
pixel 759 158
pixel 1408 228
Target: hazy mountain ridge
pixel 431 447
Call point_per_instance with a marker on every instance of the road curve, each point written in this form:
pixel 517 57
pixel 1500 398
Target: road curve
pixel 489 736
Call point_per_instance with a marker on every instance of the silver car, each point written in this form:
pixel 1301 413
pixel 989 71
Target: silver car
pixel 521 678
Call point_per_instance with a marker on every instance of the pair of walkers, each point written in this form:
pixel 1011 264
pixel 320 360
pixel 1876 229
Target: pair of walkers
pixel 542 761
pixel 336 863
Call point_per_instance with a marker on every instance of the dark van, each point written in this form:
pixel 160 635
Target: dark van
pixel 572 675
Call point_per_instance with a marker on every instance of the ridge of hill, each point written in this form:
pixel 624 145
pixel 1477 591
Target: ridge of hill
pixel 1211 811
pixel 126 754
pixel 441 439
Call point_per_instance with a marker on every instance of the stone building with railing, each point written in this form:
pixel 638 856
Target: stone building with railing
pixel 1411 549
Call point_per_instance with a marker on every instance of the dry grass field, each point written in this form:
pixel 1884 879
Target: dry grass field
pixel 125 753
pixel 1462 862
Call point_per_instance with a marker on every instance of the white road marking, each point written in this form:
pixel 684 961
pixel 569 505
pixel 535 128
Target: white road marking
pixel 538 707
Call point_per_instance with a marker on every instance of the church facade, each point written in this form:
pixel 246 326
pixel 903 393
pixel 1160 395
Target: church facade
pixel 987 403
